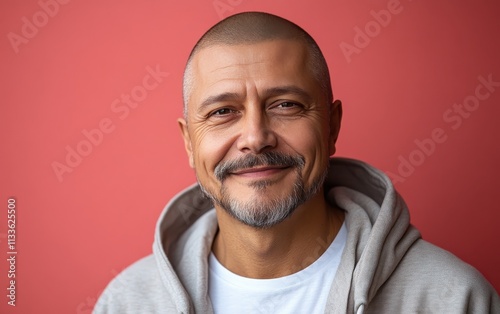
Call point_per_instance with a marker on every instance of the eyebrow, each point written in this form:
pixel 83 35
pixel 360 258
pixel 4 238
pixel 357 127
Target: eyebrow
pixel 218 98
pixel 270 92
pixel 288 89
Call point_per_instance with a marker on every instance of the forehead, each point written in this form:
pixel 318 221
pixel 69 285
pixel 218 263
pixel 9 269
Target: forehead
pixel 275 62
pixel 283 50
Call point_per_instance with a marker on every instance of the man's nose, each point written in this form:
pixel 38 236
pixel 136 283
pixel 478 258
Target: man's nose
pixel 256 134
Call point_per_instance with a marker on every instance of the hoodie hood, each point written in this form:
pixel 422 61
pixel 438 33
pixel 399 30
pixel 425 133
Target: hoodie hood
pixel 376 217
pixel 379 232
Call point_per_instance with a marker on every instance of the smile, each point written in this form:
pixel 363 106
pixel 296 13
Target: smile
pixel 259 172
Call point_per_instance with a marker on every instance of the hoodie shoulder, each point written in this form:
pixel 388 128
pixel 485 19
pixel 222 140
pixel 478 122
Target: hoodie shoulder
pixel 432 280
pixel 137 289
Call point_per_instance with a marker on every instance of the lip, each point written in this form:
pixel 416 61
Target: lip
pixel 263 171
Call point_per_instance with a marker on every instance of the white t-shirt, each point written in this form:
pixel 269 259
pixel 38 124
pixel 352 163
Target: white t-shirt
pixel 303 292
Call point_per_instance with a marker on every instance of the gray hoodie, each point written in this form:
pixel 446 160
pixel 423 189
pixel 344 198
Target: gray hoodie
pixel 385 268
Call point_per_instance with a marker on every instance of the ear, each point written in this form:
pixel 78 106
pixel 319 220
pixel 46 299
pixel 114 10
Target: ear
pixel 335 120
pixel 187 140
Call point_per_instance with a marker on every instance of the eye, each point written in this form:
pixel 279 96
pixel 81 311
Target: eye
pixel 222 112
pixel 287 104
pixel 287 108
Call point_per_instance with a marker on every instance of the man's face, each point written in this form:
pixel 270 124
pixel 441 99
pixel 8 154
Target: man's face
pixel 258 129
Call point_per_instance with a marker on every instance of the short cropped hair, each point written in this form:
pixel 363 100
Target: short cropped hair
pixel 255 27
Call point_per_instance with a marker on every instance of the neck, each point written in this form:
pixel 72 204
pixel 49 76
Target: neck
pixel 281 250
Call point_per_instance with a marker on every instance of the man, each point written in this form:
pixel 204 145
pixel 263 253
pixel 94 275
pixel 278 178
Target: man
pixel 276 225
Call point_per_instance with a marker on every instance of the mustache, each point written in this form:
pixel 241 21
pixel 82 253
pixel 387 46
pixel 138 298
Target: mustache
pixel 224 168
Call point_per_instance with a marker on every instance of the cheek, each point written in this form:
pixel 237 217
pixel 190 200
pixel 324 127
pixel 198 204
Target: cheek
pixel 309 139
pixel 209 149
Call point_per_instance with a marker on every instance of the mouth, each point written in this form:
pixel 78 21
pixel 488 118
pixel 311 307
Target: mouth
pixel 265 166
pixel 258 172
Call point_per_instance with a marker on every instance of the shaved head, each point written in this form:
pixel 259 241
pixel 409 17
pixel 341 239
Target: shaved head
pixel 254 27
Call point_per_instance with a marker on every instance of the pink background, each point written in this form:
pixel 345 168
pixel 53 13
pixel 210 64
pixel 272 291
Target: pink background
pixel 78 230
